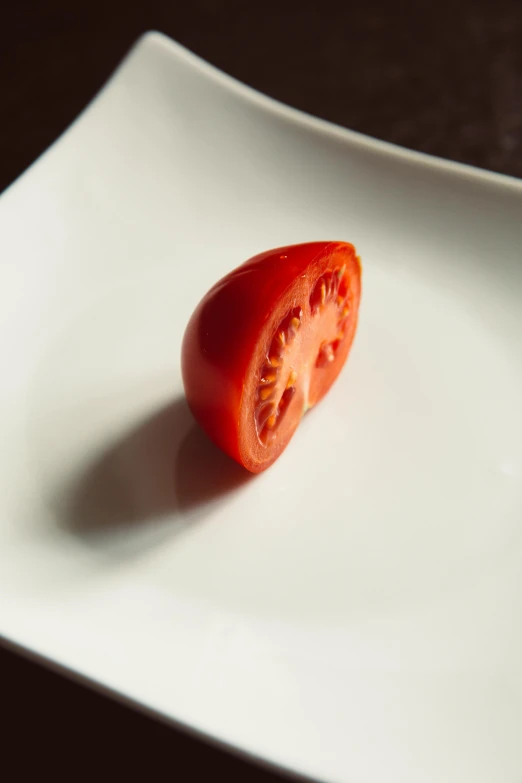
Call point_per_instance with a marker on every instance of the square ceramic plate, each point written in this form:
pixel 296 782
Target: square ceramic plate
pixel 353 614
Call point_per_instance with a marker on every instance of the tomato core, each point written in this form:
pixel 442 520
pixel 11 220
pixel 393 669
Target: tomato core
pixel 306 340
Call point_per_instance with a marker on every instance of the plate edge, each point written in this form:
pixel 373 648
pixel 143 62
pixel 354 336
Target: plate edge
pixel 356 139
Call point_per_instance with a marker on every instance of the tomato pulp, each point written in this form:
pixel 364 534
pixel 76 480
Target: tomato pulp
pixel 266 343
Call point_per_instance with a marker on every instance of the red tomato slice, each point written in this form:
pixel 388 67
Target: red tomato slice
pixel 267 342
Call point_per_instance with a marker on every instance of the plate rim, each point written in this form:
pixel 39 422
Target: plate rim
pixel 333 129
pixel 191 731
pixel 356 139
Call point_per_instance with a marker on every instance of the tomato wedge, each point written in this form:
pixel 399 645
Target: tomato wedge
pixel 266 343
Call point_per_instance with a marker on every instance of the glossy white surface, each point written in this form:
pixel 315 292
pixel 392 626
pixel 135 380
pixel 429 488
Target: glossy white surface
pixel 355 613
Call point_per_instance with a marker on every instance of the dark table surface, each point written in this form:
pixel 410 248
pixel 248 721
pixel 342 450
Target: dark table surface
pixel 445 79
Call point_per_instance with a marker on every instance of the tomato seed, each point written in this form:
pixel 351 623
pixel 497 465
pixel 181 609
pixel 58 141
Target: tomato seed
pixel 326 355
pixel 264 412
pixel 285 400
pixel 318 296
pixel 268 375
pixel 265 392
pixel 343 286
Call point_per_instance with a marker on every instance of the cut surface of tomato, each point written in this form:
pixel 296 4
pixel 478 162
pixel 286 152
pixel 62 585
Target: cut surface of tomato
pixel 266 343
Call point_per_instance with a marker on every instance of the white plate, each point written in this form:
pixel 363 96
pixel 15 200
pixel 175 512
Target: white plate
pixel 354 613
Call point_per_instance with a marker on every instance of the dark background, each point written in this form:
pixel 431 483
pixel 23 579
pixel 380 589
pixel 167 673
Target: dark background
pixel 445 79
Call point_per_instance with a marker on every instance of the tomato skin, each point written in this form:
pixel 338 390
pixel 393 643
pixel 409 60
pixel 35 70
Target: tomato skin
pixel 223 335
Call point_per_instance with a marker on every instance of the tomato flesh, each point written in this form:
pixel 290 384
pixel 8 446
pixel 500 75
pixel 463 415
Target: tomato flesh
pixel 267 342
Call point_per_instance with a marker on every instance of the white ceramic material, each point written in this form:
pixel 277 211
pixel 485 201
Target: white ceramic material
pixel 355 613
